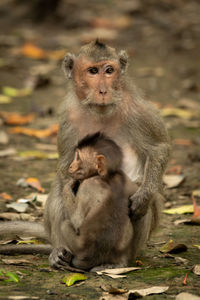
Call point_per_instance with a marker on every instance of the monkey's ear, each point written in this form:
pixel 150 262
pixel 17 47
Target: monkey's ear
pixel 123 60
pixel 101 165
pixel 68 64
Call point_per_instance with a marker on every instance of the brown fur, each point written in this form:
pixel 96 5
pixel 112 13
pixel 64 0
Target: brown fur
pixel 109 104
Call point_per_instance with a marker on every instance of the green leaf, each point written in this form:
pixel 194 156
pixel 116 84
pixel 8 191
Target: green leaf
pixel 185 209
pixel 11 277
pixel 70 279
pixel 12 92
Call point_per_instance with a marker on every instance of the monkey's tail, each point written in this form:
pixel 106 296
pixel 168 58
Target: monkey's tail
pixel 25 249
pixel 22 228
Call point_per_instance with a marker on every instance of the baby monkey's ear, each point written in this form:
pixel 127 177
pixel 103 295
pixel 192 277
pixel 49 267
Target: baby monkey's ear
pixel 101 165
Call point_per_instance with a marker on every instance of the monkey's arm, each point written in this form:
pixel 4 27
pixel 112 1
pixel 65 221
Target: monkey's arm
pixel 153 148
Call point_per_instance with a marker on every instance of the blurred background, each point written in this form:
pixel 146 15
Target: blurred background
pixel 162 40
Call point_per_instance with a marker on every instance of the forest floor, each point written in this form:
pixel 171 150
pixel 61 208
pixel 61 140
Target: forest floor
pixel 163 45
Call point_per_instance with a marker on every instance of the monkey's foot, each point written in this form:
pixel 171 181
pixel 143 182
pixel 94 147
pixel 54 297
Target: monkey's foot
pixel 60 259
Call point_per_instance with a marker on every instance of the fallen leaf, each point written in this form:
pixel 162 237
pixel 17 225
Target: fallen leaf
pixel 13 92
pixel 196 269
pixel 187 296
pixel 175 169
pixel 4 139
pixel 32 51
pixel 196 208
pixel 197 246
pixel 178 112
pixel 43 133
pixel 16 261
pixel 46 147
pixel 172 247
pixel 5 196
pixel 173 180
pixel 116 291
pixel 16 119
pixel 118 271
pixel 183 142
pixel 122 22
pixel 19 207
pixel 185 209
pixel 37 197
pixel 31 154
pixel 9 276
pixel 29 242
pixel 8 152
pixel 34 182
pixel 70 279
pixel 196 193
pixel 5 99
pixel 148 291
pixel 136 293
pixel 185 280
pixel 10 216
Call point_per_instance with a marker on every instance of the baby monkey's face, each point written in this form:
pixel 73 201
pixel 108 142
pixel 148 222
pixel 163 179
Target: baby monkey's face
pixel 84 164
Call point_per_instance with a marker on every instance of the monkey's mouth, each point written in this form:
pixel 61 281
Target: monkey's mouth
pixel 102 107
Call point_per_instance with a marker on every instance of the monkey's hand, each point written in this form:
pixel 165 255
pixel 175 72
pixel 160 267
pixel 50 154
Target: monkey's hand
pixel 139 203
pixel 61 259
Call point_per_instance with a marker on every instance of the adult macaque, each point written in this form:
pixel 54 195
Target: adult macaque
pixel 101 98
pixel 98 230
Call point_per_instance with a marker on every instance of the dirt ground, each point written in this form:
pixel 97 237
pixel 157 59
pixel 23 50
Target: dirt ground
pixel 162 40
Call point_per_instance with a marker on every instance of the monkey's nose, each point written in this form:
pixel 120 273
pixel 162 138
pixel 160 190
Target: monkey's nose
pixel 102 92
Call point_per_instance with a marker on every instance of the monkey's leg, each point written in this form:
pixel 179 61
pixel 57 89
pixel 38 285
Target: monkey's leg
pixel 144 226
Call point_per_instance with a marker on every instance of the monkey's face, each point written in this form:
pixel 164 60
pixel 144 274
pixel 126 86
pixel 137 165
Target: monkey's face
pixel 97 83
pixel 84 164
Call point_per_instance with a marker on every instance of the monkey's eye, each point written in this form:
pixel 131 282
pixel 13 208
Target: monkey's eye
pixel 93 70
pixel 109 70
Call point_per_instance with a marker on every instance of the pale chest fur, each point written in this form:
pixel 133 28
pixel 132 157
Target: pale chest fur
pixel 112 128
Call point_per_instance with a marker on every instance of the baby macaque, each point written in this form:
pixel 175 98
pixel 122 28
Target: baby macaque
pixel 98 206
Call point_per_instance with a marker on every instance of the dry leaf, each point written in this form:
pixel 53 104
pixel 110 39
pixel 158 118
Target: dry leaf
pixel 16 119
pixel 118 271
pixel 31 154
pixel 43 133
pixel 196 209
pixel 172 247
pixel 19 207
pixel 4 138
pixel 34 182
pixel 186 296
pixel 32 51
pixel 136 293
pixel 5 99
pixel 5 196
pixel 175 169
pixel 16 261
pixel 183 142
pixel 185 209
pixel 8 152
pixel 112 23
pixel 178 112
pixel 173 180
pixel 196 269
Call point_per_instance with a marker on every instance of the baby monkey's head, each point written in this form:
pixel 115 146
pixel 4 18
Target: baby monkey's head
pixel 95 154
